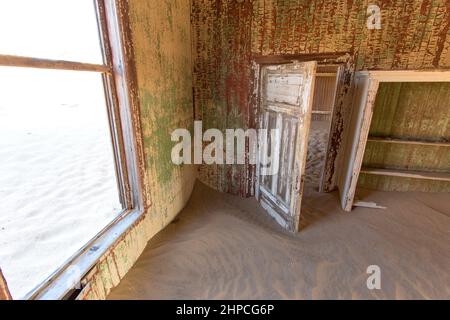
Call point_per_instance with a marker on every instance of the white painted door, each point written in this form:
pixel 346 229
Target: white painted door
pixel 286 93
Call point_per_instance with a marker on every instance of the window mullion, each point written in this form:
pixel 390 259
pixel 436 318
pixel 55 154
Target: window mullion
pixel 28 62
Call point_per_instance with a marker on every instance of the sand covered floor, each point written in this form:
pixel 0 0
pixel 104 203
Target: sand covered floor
pixel 224 247
pixel 317 151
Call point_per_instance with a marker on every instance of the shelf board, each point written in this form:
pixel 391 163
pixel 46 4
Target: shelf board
pixel 321 112
pixel 413 142
pixel 423 175
pixel 326 74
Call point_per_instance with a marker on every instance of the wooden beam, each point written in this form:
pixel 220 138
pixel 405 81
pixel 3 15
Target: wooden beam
pixel 288 58
pixel 367 204
pixel 27 62
pixel 435 176
pixel 408 75
pixel 413 142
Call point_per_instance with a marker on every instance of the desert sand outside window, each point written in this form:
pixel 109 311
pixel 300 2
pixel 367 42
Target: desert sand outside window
pixel 119 90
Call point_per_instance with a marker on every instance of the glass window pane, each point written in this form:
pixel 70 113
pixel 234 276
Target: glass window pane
pixel 50 29
pixel 58 185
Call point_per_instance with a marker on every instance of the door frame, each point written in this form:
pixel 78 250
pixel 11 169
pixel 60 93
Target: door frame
pixel 337 70
pixel 341 109
pixel 366 89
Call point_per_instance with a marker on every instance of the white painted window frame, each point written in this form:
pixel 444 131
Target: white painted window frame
pixel 119 79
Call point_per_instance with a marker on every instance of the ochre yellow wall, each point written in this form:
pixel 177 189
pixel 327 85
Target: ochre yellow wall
pixel 161 35
pixel 162 42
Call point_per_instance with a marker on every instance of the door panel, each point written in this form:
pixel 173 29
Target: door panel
pixel 285 106
pixel 284 88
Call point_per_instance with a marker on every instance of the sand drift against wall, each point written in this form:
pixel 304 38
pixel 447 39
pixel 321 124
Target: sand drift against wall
pixel 225 247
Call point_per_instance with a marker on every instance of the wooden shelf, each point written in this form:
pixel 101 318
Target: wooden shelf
pixel 423 175
pixel 412 142
pixel 321 112
pixel 326 74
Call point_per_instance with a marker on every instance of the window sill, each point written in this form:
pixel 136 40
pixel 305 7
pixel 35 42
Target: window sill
pixel 62 281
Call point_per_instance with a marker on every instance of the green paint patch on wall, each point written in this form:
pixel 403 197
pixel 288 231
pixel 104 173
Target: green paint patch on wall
pixel 157 142
pixel 163 55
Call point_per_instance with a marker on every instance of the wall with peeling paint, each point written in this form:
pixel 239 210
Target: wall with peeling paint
pixel 161 36
pixel 228 34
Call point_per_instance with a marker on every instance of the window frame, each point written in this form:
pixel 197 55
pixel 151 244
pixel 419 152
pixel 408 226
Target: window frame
pixel 121 95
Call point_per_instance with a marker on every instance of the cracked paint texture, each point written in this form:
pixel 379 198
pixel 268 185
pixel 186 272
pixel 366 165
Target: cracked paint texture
pixel 228 34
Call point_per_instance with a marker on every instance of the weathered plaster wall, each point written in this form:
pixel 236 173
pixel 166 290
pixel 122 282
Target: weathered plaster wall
pixel 162 41
pixel 161 36
pixel 228 34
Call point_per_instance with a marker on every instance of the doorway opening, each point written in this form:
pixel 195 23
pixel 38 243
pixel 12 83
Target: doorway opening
pixel 320 127
pixel 312 92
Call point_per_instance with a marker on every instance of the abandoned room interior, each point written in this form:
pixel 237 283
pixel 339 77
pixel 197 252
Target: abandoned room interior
pixel 224 149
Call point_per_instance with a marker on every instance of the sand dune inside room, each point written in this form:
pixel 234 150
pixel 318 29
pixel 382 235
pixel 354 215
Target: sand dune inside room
pixel 224 247
pixel 224 149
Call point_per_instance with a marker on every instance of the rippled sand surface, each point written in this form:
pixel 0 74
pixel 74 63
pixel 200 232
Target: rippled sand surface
pixel 225 247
